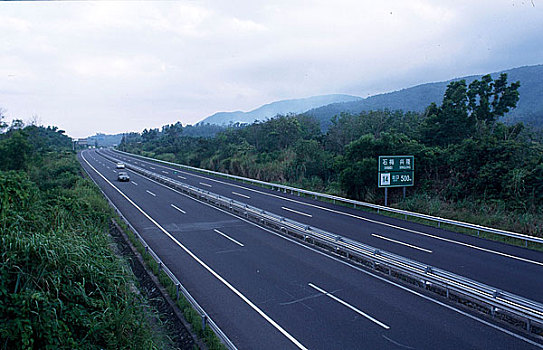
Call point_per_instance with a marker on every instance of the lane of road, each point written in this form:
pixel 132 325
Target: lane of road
pixel 510 268
pixel 319 301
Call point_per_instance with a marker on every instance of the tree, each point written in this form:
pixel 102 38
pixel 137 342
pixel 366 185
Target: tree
pixel 467 109
pixel 3 125
pixel 14 151
pixel 489 100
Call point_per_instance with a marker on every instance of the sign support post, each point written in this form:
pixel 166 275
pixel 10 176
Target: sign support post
pixel 396 171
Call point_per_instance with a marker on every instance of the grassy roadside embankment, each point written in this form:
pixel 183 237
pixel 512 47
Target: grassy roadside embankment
pixel 61 285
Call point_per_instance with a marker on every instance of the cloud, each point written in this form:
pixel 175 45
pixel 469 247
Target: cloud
pixel 109 66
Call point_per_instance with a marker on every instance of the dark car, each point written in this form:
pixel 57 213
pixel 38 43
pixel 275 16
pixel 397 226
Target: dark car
pixel 123 176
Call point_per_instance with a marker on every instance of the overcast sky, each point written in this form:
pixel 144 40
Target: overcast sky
pixel 112 67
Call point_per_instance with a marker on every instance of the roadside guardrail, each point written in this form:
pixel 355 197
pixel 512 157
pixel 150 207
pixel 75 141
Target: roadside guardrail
pixel 298 191
pixel 500 304
pixel 206 319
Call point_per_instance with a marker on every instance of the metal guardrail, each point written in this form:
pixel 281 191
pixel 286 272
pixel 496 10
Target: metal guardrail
pixel 206 320
pixel 497 301
pixel 439 220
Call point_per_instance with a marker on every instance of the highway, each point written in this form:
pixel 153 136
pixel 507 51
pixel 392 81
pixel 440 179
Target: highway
pixel 266 291
pixel 510 268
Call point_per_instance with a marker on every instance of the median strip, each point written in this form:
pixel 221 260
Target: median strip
pixel 204 265
pixel 349 306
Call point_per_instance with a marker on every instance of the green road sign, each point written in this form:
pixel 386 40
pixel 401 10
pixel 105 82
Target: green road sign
pixel 396 163
pixel 396 171
pixel 396 179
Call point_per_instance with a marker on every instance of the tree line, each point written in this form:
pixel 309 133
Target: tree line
pixel 463 154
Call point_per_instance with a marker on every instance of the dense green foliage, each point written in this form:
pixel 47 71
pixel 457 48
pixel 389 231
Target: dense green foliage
pixel 462 153
pixel 529 109
pixel 61 286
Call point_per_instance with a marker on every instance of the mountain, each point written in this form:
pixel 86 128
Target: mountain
pixel 284 107
pixel 529 108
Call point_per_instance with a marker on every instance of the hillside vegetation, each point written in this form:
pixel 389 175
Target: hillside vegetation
pixel 61 286
pixel 468 165
pixel 529 108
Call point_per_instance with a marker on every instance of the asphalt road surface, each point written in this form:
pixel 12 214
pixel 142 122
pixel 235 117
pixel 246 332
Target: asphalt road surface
pixel 267 291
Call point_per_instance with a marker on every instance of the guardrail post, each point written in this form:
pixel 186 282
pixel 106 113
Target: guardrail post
pixel 204 321
pixel 177 291
pixel 526 243
pixel 159 265
pixel 447 290
pixel 528 325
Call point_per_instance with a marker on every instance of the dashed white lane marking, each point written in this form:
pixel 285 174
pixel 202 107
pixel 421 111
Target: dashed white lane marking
pixel 204 184
pixel 377 222
pixel 152 167
pixel 241 195
pixel 151 193
pixel 402 243
pixel 181 177
pixel 165 172
pixel 384 280
pixel 230 238
pixel 181 210
pixel 115 171
pixel 205 266
pixel 135 183
pixel 297 212
pixel 349 306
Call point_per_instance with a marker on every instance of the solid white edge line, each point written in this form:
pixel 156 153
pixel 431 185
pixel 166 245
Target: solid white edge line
pixel 205 266
pixel 297 212
pixel 151 193
pixel 181 210
pixel 349 306
pixel 402 243
pixel 230 238
pixel 382 279
pixel 240 194
pixel 373 221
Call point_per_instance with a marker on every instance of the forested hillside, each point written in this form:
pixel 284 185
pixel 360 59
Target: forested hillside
pixel 529 108
pixel 61 286
pixel 468 164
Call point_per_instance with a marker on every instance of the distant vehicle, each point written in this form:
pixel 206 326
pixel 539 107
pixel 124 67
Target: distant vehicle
pixel 120 165
pixel 123 176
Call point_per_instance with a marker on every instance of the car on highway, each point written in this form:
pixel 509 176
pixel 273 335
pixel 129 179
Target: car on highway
pixel 123 176
pixel 120 165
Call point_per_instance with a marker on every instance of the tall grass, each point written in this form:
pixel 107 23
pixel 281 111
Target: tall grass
pixel 61 286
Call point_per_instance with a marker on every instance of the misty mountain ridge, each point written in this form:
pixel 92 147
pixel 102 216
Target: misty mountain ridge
pixel 283 107
pixel 529 107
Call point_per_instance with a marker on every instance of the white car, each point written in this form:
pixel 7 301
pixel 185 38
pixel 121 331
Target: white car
pixel 120 165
